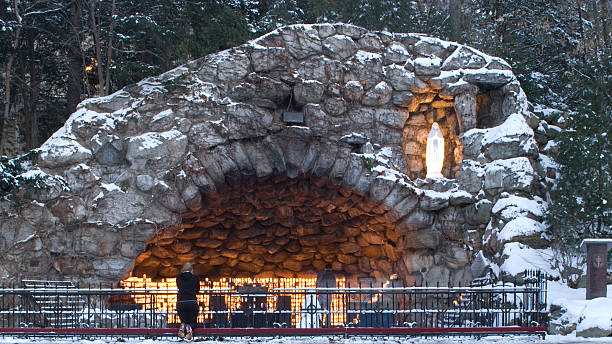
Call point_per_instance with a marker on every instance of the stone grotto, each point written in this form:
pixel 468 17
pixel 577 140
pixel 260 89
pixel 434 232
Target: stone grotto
pixel 299 151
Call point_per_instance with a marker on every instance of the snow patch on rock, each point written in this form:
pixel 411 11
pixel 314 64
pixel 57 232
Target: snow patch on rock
pixel 514 126
pixel 60 151
pixel 521 257
pixel 520 227
pixel 595 318
pixel 514 206
pixel 367 57
pixel 170 145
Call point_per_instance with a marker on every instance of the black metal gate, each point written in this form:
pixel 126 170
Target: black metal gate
pixel 433 309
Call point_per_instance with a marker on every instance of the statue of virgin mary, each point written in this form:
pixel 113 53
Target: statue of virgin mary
pixel 434 155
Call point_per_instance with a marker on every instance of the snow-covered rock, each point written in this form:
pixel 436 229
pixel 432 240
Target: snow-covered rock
pixel 511 207
pixel 63 152
pixel 511 139
pixel 520 257
pixel 396 53
pixel 464 58
pixel 433 200
pixel 403 80
pixel 379 95
pixel 516 174
pixel 525 230
pixel 427 67
pixel 596 318
pixel 572 315
pixel 167 148
pixel 488 77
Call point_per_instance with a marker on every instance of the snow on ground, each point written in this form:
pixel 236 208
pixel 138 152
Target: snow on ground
pixel 325 340
pixel 596 313
pixel 578 310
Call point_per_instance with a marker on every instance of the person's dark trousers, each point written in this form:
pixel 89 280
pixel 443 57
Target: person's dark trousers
pixel 188 312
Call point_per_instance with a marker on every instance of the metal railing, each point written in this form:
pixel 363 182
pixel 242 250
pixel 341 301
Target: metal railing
pixel 389 305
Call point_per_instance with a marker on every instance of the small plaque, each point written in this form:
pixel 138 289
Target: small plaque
pixel 293 117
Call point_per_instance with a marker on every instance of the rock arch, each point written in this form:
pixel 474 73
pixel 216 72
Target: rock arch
pixel 332 109
pixel 288 204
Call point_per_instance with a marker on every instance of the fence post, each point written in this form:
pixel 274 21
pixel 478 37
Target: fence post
pixel 89 305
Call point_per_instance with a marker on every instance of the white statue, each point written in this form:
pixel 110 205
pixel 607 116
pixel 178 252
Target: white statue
pixel 311 313
pixel 434 155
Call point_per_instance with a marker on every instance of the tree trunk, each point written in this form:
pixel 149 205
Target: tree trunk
pixel 604 22
pixel 109 51
pixel 582 38
pixel 457 19
pixel 30 90
pixel 75 58
pixel 95 29
pixel 7 80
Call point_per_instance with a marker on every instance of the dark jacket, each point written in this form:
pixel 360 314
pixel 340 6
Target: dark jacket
pixel 188 286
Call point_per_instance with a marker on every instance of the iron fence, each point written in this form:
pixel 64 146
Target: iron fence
pixel 390 305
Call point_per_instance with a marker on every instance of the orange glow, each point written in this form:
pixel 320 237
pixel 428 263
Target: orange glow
pixel 386 284
pixel 161 295
pixel 92 63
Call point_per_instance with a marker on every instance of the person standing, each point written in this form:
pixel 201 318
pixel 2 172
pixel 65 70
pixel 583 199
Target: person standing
pixel 187 304
pixel 326 279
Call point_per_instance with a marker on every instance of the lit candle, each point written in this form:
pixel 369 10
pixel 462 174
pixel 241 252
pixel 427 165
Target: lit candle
pixel 434 155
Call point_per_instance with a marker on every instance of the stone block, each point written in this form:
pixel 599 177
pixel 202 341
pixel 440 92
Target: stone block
pixel 301 43
pixel 428 47
pixel 353 91
pixel 427 67
pixel 465 107
pixel 432 200
pixel 339 47
pixel 370 42
pixel 405 100
pixel 326 30
pixel 396 53
pixel 488 78
pixel 379 95
pixel 233 67
pixel 267 58
pixel 464 58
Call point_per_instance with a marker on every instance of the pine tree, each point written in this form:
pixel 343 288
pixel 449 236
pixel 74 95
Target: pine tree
pixel 580 206
pixel 274 14
pixel 538 38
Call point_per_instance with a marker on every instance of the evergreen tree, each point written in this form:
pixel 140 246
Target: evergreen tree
pixel 150 37
pixel 580 206
pixel 538 38
pixel 273 14
pixel 34 70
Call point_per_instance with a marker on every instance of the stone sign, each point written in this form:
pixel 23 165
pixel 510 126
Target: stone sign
pixel 597 266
